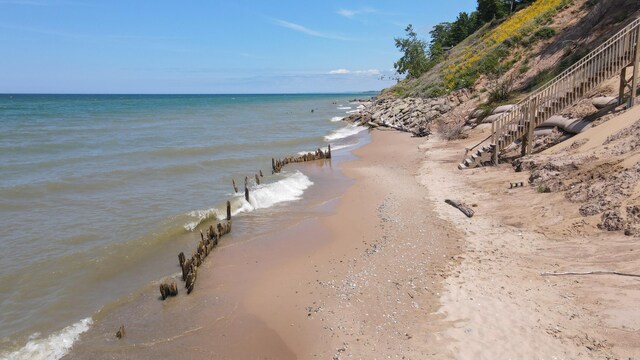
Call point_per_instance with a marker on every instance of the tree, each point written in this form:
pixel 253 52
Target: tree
pixel 414 60
pixel 490 9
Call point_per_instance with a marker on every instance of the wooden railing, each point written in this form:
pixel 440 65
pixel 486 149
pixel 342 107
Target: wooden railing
pixel 607 60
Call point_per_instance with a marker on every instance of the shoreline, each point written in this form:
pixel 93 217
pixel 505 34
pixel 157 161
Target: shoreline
pixel 388 269
pixel 287 288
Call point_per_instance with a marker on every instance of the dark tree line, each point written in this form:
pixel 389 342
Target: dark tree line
pixel 419 56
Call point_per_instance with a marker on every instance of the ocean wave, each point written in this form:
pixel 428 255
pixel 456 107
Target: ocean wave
pixel 337 118
pixel 53 347
pixel 344 108
pixel 344 132
pixel 353 111
pixel 201 215
pixel 262 196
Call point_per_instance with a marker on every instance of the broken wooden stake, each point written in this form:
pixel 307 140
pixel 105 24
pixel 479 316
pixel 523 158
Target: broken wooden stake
pixel 261 173
pixel 246 193
pixel 168 288
pixel 235 188
pixel 257 179
pixel 460 206
pixel 228 210
pixel 120 333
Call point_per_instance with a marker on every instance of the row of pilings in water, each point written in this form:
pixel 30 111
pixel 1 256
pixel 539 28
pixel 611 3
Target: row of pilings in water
pixel 210 239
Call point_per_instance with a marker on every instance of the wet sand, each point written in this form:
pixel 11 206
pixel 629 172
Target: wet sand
pixel 351 278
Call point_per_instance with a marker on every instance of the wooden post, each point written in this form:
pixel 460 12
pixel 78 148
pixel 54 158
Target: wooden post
pixel 532 124
pixel 228 210
pixel 257 179
pixel 246 181
pixel 273 165
pixel 623 85
pixel 329 151
pixel 261 173
pixel 235 188
pixel 246 193
pixel 636 73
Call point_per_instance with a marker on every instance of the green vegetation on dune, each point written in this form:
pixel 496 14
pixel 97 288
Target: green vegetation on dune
pixel 488 42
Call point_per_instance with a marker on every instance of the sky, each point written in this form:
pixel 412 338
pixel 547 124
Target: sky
pixel 210 47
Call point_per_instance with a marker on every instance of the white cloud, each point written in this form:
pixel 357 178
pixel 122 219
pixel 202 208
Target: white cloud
pixel 305 30
pixel 369 72
pixel 349 13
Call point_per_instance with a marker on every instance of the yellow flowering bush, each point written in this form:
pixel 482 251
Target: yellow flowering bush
pixel 518 24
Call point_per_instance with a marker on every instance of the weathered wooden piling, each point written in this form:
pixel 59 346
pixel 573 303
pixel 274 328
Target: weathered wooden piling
pixel 181 259
pixel 191 278
pixel 257 179
pixel 228 210
pixel 277 165
pixel 235 188
pixel 120 332
pixel 261 173
pixel 246 193
pixel 185 268
pixel 168 288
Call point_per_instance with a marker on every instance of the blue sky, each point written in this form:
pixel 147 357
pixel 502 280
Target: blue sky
pixel 81 46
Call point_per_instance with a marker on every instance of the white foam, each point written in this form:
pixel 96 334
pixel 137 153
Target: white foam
pixel 201 215
pixel 344 132
pixel 54 347
pixel 337 118
pixel 344 108
pixel 353 111
pixel 288 189
pixel 261 196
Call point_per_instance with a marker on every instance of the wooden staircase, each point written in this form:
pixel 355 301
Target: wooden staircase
pixel 611 58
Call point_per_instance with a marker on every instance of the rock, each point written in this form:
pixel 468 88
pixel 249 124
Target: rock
pixel 611 221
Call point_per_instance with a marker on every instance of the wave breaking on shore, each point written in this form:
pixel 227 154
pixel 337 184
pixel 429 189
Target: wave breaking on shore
pixel 263 196
pixel 53 347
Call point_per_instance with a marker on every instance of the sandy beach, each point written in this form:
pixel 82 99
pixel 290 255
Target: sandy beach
pixel 388 270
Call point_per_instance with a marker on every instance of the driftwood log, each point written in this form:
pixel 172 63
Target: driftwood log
pixel 597 272
pixel 168 288
pixel 460 206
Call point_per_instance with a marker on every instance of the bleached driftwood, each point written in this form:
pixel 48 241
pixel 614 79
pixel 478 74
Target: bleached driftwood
pixel 597 272
pixel 460 206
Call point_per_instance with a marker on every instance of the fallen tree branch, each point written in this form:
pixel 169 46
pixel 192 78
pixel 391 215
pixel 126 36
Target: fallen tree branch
pixel 598 272
pixel 460 206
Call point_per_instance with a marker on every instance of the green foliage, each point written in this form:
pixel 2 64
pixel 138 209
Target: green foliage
pixel 434 90
pixel 491 64
pixel 542 188
pixel 414 60
pixel 500 90
pixel 545 32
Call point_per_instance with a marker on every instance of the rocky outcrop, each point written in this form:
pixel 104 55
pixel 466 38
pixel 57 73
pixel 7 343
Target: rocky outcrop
pixel 413 115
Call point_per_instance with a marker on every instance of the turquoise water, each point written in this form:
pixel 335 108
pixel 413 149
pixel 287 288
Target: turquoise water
pixel 94 188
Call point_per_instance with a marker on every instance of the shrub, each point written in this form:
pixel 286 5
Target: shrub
pixel 500 90
pixel 451 130
pixel 545 32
